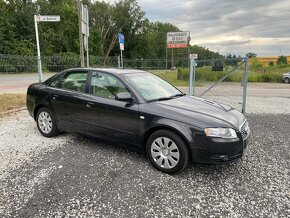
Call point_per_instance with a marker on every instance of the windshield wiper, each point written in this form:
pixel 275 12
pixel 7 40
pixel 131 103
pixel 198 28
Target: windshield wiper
pixel 178 95
pixel 161 99
pixel 167 98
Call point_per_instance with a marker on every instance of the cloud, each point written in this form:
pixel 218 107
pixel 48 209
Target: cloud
pixel 230 26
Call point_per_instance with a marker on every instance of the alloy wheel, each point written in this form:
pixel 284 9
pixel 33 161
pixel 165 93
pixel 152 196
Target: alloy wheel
pixel 45 122
pixel 165 152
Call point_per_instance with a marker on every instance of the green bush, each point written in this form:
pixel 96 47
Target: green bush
pixel 266 78
pixel 282 60
pixel 205 74
pixel 270 74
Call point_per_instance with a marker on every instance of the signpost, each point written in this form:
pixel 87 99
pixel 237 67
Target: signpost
pixel 85 30
pixel 192 58
pixel 39 18
pixel 121 42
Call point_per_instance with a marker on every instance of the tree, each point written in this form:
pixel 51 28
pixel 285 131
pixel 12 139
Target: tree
pixel 143 39
pixel 271 63
pixel 282 60
pixel 251 55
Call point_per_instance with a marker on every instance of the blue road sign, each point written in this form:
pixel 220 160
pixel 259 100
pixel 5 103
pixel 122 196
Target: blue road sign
pixel 121 38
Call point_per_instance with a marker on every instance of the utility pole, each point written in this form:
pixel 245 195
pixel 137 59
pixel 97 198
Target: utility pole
pixel 39 68
pixel 80 33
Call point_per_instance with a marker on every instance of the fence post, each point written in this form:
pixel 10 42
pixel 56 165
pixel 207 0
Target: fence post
pixel 245 84
pixel 192 58
pixel 191 76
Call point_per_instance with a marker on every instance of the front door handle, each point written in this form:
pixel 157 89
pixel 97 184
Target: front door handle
pixel 90 104
pixel 55 97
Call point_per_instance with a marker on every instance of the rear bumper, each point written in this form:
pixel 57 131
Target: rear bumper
pixel 218 151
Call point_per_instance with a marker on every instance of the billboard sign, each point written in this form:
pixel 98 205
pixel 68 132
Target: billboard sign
pixel 178 39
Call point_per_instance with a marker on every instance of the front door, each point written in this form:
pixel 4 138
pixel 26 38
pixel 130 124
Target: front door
pixel 106 117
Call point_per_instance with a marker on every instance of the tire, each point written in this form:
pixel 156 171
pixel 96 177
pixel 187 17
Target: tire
pixel 46 122
pixel 167 151
pixel 287 80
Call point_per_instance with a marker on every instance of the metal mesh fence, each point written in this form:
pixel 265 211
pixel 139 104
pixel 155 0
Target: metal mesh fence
pixel 220 80
pixel 155 64
pixel 28 64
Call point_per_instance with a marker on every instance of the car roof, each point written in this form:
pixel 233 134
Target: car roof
pixel 110 70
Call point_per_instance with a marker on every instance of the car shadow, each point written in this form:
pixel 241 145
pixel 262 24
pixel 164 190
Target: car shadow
pixel 204 170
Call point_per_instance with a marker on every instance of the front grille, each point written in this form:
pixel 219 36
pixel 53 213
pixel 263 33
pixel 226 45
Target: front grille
pixel 245 130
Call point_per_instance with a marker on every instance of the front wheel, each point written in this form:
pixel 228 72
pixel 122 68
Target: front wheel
pixel 46 123
pixel 287 80
pixel 167 151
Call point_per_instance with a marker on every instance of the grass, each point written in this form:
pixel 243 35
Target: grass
pixel 11 101
pixel 171 77
pixel 180 77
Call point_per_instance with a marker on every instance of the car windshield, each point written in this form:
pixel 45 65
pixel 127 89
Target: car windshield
pixel 151 87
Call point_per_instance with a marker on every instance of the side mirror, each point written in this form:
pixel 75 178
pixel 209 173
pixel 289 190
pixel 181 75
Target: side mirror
pixel 124 96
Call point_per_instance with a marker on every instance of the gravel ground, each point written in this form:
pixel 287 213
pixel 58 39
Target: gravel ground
pixel 256 105
pixel 70 176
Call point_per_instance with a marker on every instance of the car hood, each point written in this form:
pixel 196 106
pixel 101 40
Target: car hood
pixel 193 108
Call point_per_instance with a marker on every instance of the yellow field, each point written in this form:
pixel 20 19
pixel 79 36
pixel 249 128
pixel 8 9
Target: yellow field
pixel 266 60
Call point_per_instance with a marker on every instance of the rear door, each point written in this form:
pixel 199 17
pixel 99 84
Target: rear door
pixel 106 117
pixel 67 100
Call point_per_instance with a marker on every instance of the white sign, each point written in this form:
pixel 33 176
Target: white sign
pixel 193 56
pixel 86 43
pixel 48 18
pixel 178 39
pixel 122 47
pixel 85 20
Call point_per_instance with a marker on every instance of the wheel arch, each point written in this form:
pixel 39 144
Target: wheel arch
pixel 153 129
pixel 37 107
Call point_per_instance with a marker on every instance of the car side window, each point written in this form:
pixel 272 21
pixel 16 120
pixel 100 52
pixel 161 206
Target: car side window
pixel 74 81
pixel 106 85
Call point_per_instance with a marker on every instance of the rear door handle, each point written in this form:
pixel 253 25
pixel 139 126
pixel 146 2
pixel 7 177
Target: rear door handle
pixel 55 97
pixel 90 104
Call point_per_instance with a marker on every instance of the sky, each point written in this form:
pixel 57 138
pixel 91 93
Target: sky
pixel 228 26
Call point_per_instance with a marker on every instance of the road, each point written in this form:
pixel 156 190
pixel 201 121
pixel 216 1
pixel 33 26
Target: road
pixel 10 83
pixel 72 176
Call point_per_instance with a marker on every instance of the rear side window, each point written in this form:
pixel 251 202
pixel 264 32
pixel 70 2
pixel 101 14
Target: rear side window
pixel 74 81
pixel 54 82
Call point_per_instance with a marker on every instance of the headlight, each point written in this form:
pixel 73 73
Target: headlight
pixel 227 133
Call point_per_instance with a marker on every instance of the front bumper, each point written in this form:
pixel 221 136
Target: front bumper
pixel 217 151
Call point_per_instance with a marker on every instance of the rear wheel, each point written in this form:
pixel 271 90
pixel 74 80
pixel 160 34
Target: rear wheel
pixel 287 80
pixel 167 151
pixel 46 123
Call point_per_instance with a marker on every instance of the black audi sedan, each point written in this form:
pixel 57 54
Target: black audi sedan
pixel 139 109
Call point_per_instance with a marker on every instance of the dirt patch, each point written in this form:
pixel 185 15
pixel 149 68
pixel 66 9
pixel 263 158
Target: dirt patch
pixel 13 101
